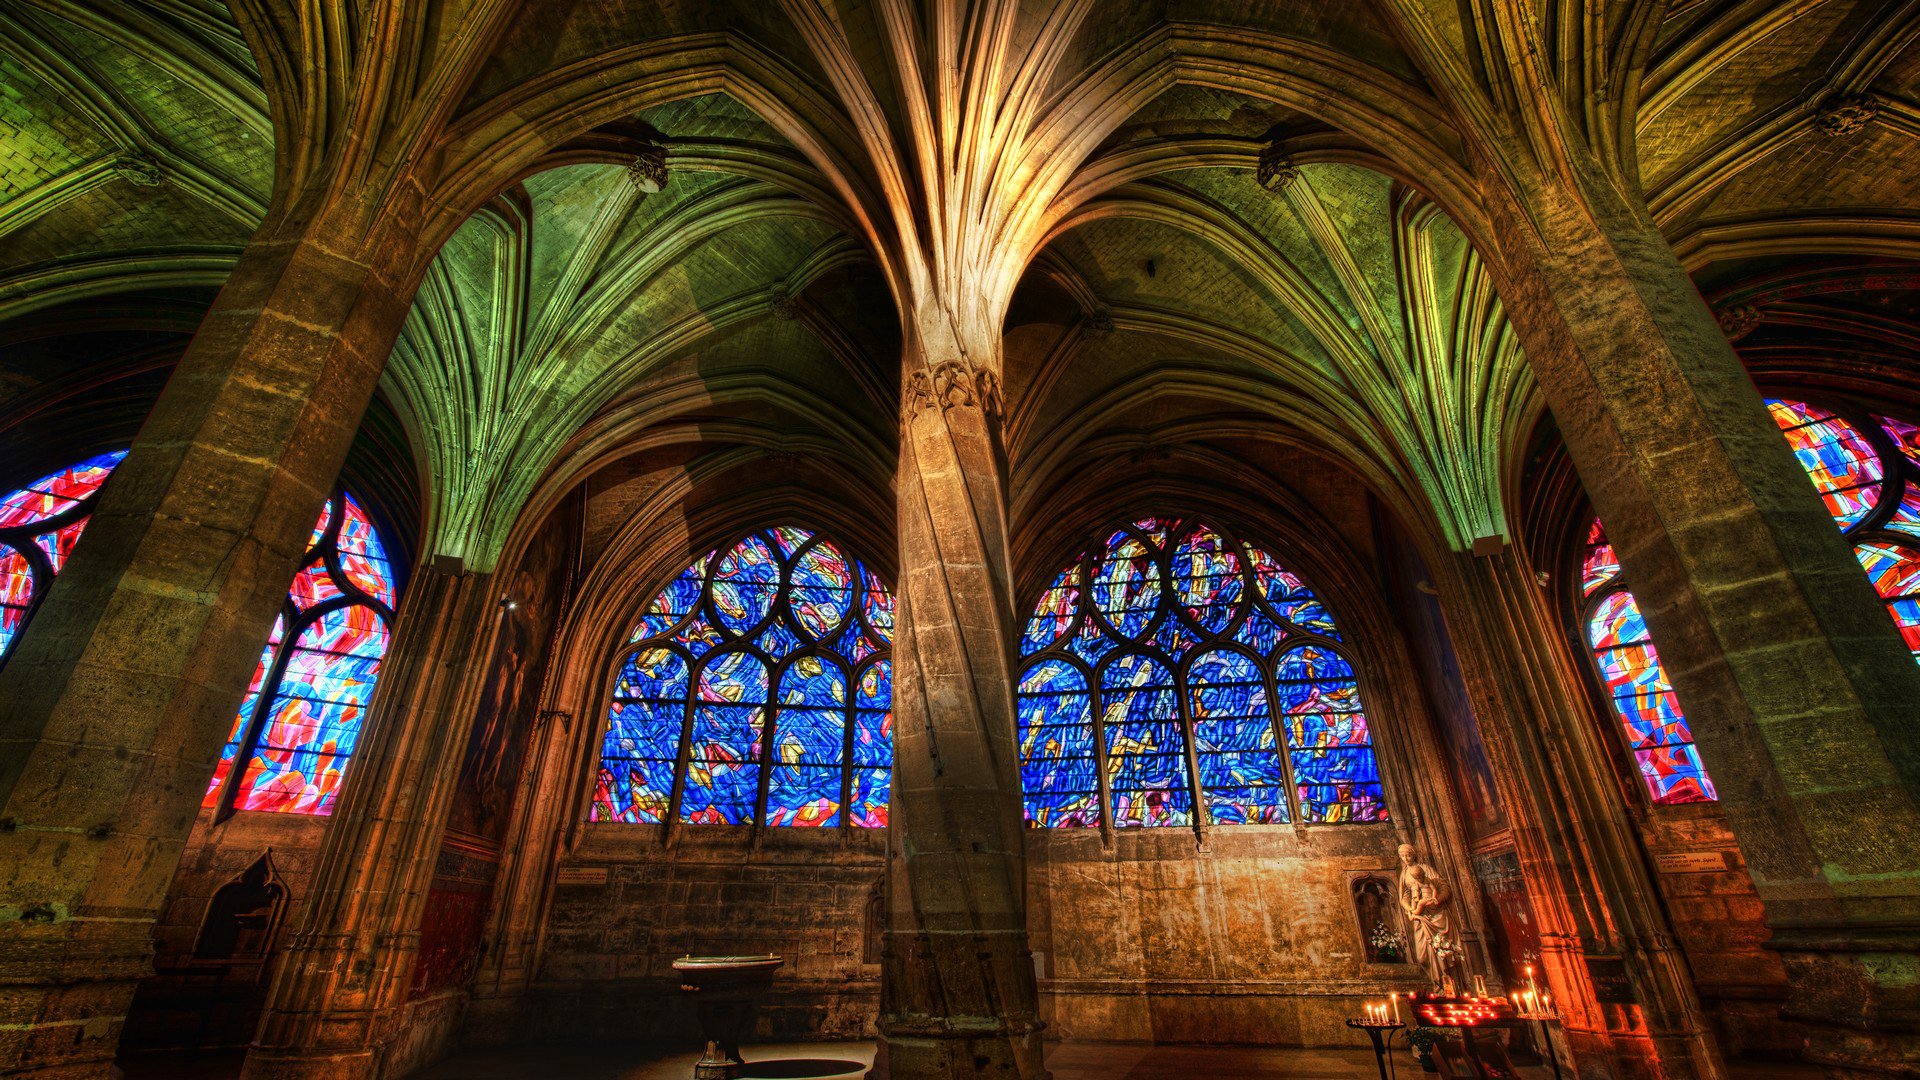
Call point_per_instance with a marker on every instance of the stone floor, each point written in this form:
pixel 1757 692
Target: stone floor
pixel 849 1060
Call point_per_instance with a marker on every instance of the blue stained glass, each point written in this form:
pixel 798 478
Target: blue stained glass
pixel 1053 614
pixel 868 805
pixel 1187 589
pixel 1258 632
pixel 745 584
pixel 788 539
pixel 1838 459
pixel 1906 516
pixel 822 590
pixel 1234 743
pixel 674 602
pixel 1207 577
pixel 783 726
pixel 1636 684
pixel 1334 772
pixel 1146 746
pixel 1174 637
pixel 1057 772
pixel 1126 586
pixel 878 604
pixel 1091 643
pixel 776 640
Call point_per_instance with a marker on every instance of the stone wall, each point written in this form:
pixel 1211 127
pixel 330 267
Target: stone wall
pixel 211 1002
pixel 1718 918
pixel 1249 938
pixel 627 904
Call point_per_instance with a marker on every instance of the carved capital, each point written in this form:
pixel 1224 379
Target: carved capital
pixel 950 384
pixel 1277 170
pixel 1846 115
pixel 1738 321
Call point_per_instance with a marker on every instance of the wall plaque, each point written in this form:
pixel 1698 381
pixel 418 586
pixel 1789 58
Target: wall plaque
pixel 1610 983
pixel 581 875
pixel 1692 862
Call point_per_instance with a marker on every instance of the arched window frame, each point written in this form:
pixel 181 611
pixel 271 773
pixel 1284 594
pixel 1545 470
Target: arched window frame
pixel 1587 604
pixel 322 551
pixel 1294 638
pixel 25 539
pixel 746 642
pixel 1898 497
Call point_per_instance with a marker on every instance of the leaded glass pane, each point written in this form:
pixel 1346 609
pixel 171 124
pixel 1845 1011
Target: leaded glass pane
pixel 775 732
pixel 1057 770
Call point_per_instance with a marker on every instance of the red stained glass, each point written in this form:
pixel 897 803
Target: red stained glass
pixel 309 696
pixel 1837 458
pixel 1636 684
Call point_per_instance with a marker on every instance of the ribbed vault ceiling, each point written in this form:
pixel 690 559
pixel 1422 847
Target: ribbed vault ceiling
pixel 1174 300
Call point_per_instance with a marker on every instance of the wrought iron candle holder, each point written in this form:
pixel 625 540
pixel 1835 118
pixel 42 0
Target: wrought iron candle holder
pixel 1380 1024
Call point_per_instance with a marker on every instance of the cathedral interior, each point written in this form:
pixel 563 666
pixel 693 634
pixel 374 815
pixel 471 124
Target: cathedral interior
pixel 1082 527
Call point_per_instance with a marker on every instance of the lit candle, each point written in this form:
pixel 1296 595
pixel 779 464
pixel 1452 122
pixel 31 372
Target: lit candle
pixel 1396 1007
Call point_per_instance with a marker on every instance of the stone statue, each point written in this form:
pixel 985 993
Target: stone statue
pixel 1424 898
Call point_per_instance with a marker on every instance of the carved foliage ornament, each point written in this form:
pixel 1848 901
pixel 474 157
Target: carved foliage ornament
pixel 1846 115
pixel 648 169
pixel 950 384
pixel 1738 321
pixel 1276 170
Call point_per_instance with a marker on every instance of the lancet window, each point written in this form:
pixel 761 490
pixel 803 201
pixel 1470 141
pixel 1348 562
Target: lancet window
pixel 304 709
pixel 39 524
pixel 1864 466
pixel 1634 681
pixel 757 689
pixel 1177 675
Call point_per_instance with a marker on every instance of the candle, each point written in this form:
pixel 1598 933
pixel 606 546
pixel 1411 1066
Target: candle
pixel 1396 1007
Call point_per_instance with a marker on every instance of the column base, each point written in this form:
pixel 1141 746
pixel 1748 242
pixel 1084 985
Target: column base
pixel 263 1064
pixel 1005 1055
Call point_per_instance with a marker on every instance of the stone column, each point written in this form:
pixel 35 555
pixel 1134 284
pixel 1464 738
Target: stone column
pixel 120 694
pixel 958 995
pixel 1804 701
pixel 1586 876
pixel 335 1005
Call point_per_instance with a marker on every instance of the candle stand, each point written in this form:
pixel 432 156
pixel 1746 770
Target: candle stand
pixel 1381 1032
pixel 1545 1018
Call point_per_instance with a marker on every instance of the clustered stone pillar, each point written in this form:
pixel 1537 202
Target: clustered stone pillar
pixel 335 1005
pixel 1586 880
pixel 114 707
pixel 1799 691
pixel 958 995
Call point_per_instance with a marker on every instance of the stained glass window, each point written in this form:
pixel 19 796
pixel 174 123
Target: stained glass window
pixel 1865 468
pixel 1635 682
pixel 756 690
pixel 39 524
pixel 1176 675
pixel 303 712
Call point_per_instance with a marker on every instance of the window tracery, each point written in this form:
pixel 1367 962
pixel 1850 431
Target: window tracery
pixel 1171 659
pixel 1864 465
pixel 756 689
pixel 302 716
pixel 1635 683
pixel 39 524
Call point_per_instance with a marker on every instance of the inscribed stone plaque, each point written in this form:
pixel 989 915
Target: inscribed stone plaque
pixel 581 875
pixel 1692 862
pixel 1610 983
